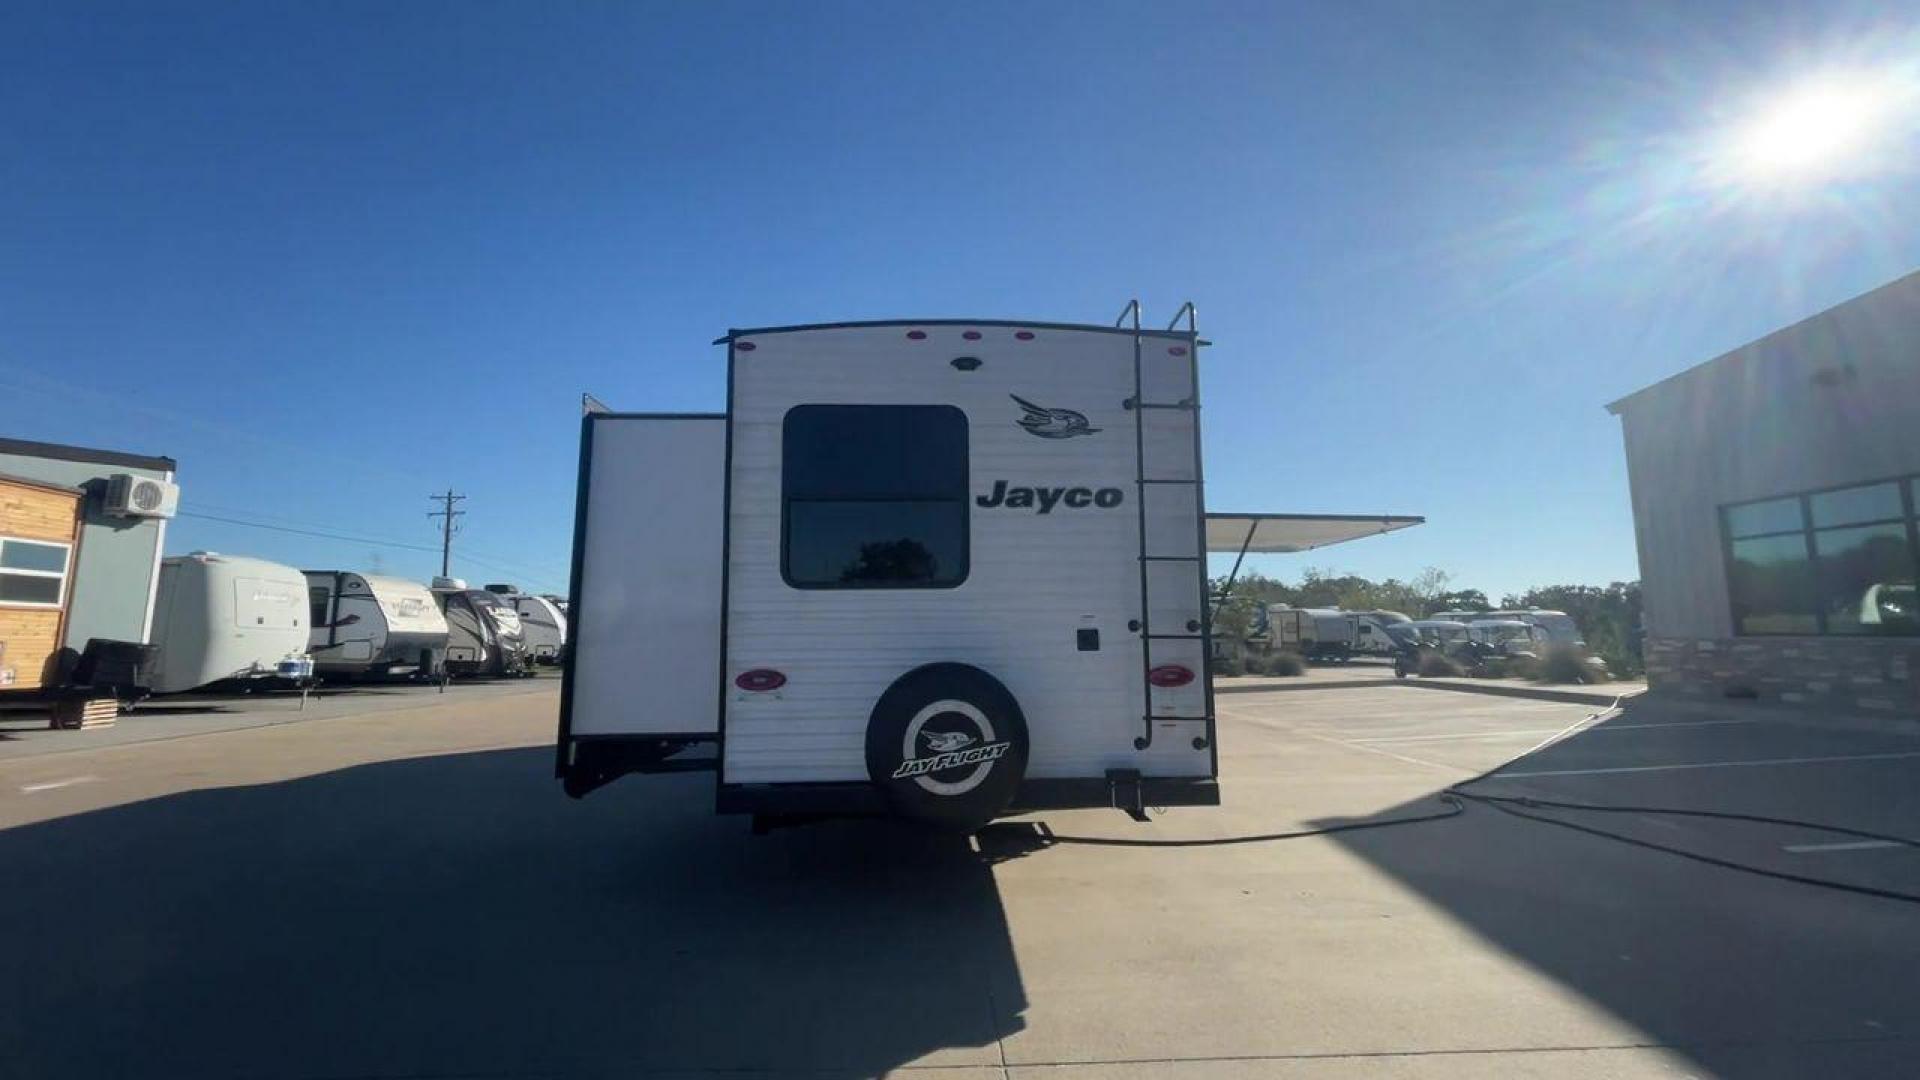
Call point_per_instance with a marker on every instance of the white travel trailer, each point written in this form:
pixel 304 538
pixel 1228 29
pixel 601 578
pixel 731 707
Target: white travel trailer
pixel 364 625
pixel 1510 636
pixel 484 635
pixel 1370 636
pixel 941 569
pixel 224 617
pixel 1439 631
pixel 1559 626
pixel 1315 633
pixel 541 622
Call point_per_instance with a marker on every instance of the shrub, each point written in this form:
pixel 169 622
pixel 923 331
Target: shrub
pixel 1566 664
pixel 1433 664
pixel 1229 665
pixel 1286 663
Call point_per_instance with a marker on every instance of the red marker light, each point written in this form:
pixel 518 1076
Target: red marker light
pixel 1023 335
pixel 761 680
pixel 1178 350
pixel 971 335
pixel 744 346
pixel 916 335
pixel 1168 676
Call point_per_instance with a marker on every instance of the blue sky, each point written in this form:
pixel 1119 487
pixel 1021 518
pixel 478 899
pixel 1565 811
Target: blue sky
pixel 332 257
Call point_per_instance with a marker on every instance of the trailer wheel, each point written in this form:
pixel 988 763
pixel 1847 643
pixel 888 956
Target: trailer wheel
pixel 948 745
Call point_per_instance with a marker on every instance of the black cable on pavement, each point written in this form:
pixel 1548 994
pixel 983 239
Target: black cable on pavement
pixel 1454 809
pixel 1456 796
pixel 1725 864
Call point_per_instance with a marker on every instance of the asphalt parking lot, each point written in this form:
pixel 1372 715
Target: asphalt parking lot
pixel 404 892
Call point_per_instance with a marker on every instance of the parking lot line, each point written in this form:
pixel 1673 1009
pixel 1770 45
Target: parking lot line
pixel 1712 765
pixel 1843 845
pixel 51 785
pixel 1550 731
pixel 1272 723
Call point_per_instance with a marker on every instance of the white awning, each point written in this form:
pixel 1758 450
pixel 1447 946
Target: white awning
pixel 1279 533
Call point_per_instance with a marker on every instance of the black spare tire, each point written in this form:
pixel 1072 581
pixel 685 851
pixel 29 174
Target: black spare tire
pixel 948 745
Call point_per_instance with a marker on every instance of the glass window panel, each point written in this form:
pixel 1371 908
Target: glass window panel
pixel 869 544
pixel 27 555
pixel 21 589
pixel 1866 579
pixel 1852 506
pixel 875 452
pixel 1772 516
pixel 1771 580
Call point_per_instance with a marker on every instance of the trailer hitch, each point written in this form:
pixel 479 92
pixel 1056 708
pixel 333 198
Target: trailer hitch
pixel 1126 794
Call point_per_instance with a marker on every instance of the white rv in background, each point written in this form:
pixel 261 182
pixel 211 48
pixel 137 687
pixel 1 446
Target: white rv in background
pixel 541 621
pixel 364 625
pixel 225 617
pixel 1370 632
pixel 484 634
pixel 1315 633
pixel 1559 626
pixel 1510 636
pixel 945 570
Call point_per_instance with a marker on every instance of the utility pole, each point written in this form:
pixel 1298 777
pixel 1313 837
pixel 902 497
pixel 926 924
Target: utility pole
pixel 446 514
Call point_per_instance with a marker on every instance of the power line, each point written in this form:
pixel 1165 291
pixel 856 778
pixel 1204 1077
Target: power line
pixel 532 578
pixel 309 532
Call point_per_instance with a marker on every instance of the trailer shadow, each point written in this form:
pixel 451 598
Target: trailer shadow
pixel 1749 977
pixel 457 914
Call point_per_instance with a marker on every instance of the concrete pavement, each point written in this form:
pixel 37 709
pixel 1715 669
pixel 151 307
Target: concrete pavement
pixel 407 893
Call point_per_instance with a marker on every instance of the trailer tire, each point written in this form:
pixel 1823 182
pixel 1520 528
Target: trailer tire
pixel 947 711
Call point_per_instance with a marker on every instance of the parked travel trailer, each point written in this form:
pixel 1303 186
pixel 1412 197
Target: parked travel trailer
pixel 1315 633
pixel 1440 632
pixel 81 531
pixel 1559 626
pixel 484 635
pixel 541 621
pixel 224 617
pixel 945 570
pixel 368 626
pixel 1370 632
pixel 1509 636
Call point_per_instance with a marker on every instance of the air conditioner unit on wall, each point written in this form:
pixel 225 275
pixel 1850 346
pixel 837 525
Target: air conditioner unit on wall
pixel 137 496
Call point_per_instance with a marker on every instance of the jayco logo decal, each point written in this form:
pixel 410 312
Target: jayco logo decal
pixel 1052 423
pixel 1043 499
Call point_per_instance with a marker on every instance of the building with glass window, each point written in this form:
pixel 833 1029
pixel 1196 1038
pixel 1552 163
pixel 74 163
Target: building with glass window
pixel 72 569
pixel 1774 494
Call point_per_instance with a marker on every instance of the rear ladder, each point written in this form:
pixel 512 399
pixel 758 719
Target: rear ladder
pixel 1173 569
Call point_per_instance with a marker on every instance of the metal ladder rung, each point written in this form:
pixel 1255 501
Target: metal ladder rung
pixel 1170 558
pixel 1188 405
pixel 1195 483
pixel 1186 719
pixel 1171 637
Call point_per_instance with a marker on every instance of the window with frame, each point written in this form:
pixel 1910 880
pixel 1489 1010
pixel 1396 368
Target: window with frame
pixel 1840 561
pixel 33 573
pixel 874 497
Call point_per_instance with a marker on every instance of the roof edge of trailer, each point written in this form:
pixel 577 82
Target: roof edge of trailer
pixel 62 452
pixel 1023 324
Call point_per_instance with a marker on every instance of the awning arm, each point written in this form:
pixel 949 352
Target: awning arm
pixel 1227 589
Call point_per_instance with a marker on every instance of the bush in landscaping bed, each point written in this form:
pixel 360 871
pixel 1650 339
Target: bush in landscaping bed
pixel 1229 665
pixel 1286 663
pixel 1566 664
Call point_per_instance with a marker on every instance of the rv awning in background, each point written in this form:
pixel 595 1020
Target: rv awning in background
pixel 1280 533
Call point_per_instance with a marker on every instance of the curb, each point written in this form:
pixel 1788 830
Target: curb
pixel 1294 683
pixel 1596 696
pixel 1538 693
